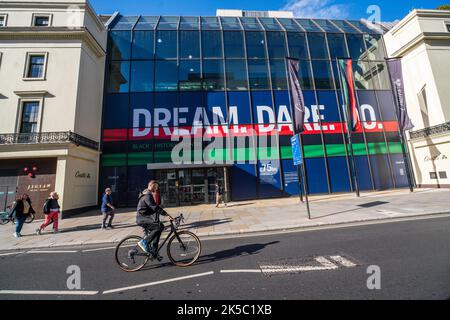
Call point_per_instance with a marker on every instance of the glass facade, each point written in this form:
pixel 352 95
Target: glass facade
pixel 223 80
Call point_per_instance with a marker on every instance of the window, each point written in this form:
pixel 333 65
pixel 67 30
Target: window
pixel 189 44
pixel 212 44
pixel 255 45
pixel 120 45
pixel 41 20
pixel 234 44
pixel 338 49
pixel 448 27
pixel 317 46
pixel 297 45
pixel 119 77
pixel 30 116
pixel 36 63
pixel 259 74
pixel 166 76
pixel 190 75
pixel 166 44
pixel 142 76
pixel 143 42
pixel 276 42
pixel 322 74
pixel 236 75
pixel 213 75
pixel 278 73
pixel 3 20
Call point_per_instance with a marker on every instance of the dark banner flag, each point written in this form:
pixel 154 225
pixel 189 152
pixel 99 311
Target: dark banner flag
pixel 348 90
pixel 296 94
pixel 395 72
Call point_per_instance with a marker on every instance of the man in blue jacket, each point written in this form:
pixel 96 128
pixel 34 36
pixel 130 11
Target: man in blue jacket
pixel 107 209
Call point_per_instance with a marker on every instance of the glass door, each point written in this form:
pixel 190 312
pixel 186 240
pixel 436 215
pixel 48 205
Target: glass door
pixel 185 187
pixel 199 186
pixel 168 185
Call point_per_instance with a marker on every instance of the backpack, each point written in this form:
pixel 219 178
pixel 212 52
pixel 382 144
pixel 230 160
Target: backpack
pixel 46 207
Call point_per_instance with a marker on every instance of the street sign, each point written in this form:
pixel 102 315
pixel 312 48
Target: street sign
pixel 296 153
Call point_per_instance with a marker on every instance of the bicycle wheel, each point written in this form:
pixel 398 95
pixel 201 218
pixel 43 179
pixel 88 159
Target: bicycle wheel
pixel 4 221
pixel 129 256
pixel 186 252
pixel 30 218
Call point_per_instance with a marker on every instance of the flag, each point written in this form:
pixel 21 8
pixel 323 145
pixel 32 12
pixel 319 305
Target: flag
pixel 395 72
pixel 296 94
pixel 348 89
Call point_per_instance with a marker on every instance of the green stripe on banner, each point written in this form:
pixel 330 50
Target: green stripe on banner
pixel 114 160
pixel 248 154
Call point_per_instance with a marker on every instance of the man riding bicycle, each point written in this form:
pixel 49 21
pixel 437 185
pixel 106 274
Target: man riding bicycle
pixel 148 217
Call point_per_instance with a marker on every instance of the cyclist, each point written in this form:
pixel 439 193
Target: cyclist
pixel 148 212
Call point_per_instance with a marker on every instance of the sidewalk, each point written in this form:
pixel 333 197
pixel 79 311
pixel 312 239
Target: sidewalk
pixel 241 217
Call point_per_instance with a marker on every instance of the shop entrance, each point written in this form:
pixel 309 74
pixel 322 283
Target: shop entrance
pixel 183 187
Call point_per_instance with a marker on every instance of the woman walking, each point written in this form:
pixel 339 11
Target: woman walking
pixel 21 208
pixel 51 211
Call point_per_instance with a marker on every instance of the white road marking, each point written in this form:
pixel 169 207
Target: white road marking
pixel 159 282
pixel 36 251
pixel 341 260
pixel 11 253
pixel 241 271
pixel 325 265
pixel 37 292
pixel 99 249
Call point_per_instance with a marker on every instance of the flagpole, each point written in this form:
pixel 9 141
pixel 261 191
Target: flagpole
pixel 303 169
pixel 401 132
pixel 349 132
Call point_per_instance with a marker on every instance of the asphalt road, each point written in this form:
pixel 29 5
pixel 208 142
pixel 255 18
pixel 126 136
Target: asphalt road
pixel 413 258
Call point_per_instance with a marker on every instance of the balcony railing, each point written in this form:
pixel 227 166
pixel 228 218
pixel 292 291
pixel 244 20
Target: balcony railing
pixel 47 138
pixel 431 131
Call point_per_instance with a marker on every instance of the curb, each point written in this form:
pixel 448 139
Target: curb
pixel 229 234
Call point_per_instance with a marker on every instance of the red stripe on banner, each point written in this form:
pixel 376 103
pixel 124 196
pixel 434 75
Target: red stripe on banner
pixel 111 135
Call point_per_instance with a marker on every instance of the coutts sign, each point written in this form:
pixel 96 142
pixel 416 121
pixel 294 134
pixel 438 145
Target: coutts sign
pixel 82 175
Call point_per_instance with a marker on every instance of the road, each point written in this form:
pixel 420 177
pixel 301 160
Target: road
pixel 413 259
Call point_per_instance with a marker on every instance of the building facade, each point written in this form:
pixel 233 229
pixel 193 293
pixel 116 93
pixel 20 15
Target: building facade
pixel 422 39
pixel 52 58
pixel 222 81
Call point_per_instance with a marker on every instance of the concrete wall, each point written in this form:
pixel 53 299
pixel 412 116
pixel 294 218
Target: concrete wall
pixel 423 42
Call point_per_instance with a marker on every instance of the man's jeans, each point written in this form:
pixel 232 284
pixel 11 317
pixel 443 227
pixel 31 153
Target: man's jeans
pixel 19 223
pixel 153 233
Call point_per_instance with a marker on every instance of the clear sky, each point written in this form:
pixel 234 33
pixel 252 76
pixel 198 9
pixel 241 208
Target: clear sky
pixel 390 9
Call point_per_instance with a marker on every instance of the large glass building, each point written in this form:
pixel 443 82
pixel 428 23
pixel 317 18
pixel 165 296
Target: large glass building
pixel 218 79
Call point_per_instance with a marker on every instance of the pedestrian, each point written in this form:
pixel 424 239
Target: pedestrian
pixel 51 210
pixel 148 212
pixel 21 209
pixel 220 195
pixel 107 209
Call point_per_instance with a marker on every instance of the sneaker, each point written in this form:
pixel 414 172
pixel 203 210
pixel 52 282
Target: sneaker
pixel 55 231
pixel 144 246
pixel 110 227
pixel 38 232
pixel 16 235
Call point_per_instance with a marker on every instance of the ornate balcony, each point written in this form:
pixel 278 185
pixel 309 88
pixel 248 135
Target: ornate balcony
pixel 47 138
pixel 431 131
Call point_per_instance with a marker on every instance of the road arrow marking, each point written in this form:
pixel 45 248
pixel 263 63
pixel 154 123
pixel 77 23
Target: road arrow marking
pixel 341 260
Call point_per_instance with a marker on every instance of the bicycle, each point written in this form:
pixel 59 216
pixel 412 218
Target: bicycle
pixel 183 248
pixel 4 217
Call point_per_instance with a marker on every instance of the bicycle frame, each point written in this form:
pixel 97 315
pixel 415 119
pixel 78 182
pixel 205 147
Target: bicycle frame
pixel 173 230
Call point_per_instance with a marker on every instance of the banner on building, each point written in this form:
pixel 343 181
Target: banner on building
pixel 395 72
pixel 349 95
pixel 296 93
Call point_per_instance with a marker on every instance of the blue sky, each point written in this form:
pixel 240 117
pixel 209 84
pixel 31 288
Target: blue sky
pixel 390 9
